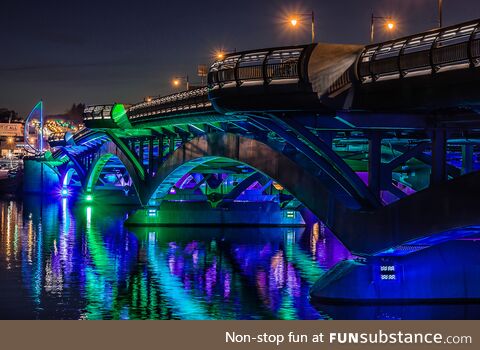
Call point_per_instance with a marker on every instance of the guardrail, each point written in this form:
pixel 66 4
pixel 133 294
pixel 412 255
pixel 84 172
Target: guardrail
pixel 262 66
pixel 184 101
pixel 56 136
pixel 98 112
pixel 438 50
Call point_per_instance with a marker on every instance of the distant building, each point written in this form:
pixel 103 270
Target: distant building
pixel 11 132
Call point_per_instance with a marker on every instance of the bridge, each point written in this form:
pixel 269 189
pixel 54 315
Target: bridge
pixel 379 142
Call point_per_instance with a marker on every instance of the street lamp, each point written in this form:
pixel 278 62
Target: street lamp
pixel 389 25
pixel 440 13
pixel 294 21
pixel 178 80
pixel 221 53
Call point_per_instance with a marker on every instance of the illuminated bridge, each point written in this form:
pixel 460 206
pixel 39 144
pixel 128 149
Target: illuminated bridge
pixel 379 142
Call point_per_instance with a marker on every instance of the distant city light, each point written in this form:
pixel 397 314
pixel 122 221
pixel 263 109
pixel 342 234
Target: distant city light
pixel 293 22
pixel 390 25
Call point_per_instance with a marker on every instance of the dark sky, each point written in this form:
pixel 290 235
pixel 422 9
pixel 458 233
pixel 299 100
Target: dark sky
pixel 121 51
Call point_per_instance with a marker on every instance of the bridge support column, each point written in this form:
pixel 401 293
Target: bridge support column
pixel 150 156
pixel 375 163
pixel 171 148
pixel 140 151
pixel 439 157
pixel 467 159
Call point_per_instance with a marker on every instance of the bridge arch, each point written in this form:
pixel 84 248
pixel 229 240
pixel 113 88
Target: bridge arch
pixel 67 176
pixel 74 163
pixel 317 195
pixel 364 231
pixel 99 164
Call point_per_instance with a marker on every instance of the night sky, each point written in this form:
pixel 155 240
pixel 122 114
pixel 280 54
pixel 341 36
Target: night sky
pixel 121 51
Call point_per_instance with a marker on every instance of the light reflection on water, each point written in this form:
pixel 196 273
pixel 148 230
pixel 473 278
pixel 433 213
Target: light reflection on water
pixel 60 261
pixel 63 262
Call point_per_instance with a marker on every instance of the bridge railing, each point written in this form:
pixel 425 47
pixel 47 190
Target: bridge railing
pixel 189 100
pixel 438 50
pixel 263 66
pixel 97 112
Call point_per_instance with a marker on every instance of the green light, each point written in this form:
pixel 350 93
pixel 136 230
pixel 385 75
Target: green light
pixel 119 115
pixel 89 198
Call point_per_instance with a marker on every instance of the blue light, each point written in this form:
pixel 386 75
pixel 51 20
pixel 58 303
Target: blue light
pixel 64 192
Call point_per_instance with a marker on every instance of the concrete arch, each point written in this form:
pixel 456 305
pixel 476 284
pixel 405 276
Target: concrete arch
pixel 81 171
pixel 67 176
pixel 95 171
pixel 362 231
pixel 108 151
pixel 317 195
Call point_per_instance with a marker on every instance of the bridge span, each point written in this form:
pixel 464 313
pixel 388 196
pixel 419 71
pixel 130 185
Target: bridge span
pixel 379 142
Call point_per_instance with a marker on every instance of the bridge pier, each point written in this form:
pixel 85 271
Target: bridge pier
pixel 439 156
pixel 467 158
pixel 443 273
pixel 375 163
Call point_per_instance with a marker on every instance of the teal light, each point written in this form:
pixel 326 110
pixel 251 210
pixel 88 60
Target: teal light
pixel 152 212
pixel 64 192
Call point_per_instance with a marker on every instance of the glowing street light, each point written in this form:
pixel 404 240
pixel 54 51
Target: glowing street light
pixel 176 82
pixel 390 25
pixel 220 54
pixel 295 19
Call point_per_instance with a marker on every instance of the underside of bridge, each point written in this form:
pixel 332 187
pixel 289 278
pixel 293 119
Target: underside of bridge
pixel 260 177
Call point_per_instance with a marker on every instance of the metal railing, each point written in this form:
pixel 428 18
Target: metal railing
pixel 56 137
pixel 438 50
pixel 262 66
pixel 97 112
pixel 189 100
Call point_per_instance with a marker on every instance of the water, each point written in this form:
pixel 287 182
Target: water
pixel 61 261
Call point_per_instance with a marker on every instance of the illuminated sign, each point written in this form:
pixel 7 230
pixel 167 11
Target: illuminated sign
pixel 388 272
pixel 11 129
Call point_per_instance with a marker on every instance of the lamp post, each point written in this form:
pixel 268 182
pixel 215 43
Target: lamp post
pixel 295 19
pixel 177 81
pixel 389 25
pixel 440 13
